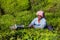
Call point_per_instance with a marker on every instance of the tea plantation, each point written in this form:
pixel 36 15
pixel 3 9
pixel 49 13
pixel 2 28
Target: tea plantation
pixel 23 12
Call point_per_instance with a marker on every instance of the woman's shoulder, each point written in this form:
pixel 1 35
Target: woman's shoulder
pixel 43 19
pixel 35 18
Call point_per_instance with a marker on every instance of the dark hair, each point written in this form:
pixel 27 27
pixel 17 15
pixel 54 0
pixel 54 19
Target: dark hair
pixel 43 14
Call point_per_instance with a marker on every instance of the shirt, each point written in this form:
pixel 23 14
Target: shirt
pixel 35 23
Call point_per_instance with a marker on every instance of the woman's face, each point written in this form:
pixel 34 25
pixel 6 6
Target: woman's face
pixel 39 16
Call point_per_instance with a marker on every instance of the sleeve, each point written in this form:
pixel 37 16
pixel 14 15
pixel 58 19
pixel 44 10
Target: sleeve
pixel 32 23
pixel 43 23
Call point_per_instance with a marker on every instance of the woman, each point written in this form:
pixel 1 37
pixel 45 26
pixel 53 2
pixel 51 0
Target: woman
pixel 39 21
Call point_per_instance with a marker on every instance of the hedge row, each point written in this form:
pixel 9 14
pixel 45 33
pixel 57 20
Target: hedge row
pixel 29 34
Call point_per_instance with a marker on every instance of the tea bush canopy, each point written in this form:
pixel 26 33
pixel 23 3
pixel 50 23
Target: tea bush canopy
pixel 11 6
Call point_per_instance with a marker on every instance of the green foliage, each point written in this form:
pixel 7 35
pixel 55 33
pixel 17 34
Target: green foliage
pixel 39 4
pixel 11 6
pixel 29 34
pixel 46 5
pixel 24 17
pixel 6 21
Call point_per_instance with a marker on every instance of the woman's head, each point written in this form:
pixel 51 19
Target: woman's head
pixel 40 14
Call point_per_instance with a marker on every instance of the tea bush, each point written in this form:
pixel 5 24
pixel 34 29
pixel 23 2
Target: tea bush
pixel 11 6
pixel 6 21
pixel 29 34
pixel 39 4
pixel 24 17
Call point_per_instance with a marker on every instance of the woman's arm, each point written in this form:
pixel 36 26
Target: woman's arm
pixel 32 23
